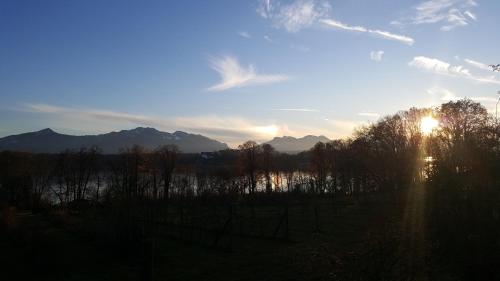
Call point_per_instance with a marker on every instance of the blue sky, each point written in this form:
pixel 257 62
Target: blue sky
pixel 239 70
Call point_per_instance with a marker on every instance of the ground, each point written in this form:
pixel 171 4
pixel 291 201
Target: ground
pixel 372 238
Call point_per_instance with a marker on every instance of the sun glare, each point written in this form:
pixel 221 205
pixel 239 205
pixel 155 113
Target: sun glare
pixel 428 124
pixel 271 130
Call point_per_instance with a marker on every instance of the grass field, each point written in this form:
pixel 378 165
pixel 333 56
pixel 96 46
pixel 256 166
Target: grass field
pixel 347 239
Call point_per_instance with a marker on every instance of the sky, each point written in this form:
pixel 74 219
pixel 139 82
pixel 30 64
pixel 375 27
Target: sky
pixel 239 70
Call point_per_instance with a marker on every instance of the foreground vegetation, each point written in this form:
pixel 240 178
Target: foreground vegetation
pixel 390 203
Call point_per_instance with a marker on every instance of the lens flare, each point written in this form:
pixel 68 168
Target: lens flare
pixel 428 124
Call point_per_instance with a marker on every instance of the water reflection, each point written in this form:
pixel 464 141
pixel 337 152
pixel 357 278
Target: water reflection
pixel 428 159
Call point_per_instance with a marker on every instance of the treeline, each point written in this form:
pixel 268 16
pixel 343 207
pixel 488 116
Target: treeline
pixel 390 154
pixel 455 165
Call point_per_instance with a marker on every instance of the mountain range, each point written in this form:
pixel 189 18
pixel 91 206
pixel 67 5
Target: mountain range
pixel 49 141
pixel 294 145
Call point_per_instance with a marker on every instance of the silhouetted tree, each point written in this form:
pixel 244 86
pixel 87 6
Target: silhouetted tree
pixel 166 156
pixel 319 166
pixel 41 173
pixel 267 164
pixel 249 155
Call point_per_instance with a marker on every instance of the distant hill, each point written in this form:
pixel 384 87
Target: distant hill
pixel 295 145
pixel 48 141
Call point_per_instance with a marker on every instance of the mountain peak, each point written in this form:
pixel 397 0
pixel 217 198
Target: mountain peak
pixel 145 129
pixel 48 141
pixel 320 138
pixel 46 131
pixel 180 133
pixel 294 145
pixel 140 131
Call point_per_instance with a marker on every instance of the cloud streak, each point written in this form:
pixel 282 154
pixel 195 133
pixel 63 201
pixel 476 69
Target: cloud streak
pixel 296 109
pixel 230 129
pixel 233 75
pixel 296 15
pixel 375 32
pixel 244 34
pixel 91 113
pixel 369 114
pixel 437 66
pixel 477 64
pixel 344 128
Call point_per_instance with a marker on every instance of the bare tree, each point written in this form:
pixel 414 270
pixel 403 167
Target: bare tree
pixel 166 156
pixel 41 173
pixel 267 164
pixel 319 166
pixel 249 153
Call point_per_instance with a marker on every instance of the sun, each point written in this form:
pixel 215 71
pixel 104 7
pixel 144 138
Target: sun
pixel 428 124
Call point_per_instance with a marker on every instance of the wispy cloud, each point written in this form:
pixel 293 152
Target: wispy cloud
pixel 443 68
pixel 439 95
pixel 332 128
pixel 296 109
pixel 233 75
pixel 376 55
pixel 361 29
pixel 91 113
pixel 344 128
pixel 470 15
pixel 438 66
pixel 268 39
pixel 230 129
pixel 340 25
pixel 369 114
pixel 293 15
pixel 477 64
pixel 244 34
pixel 447 13
pixel 391 36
